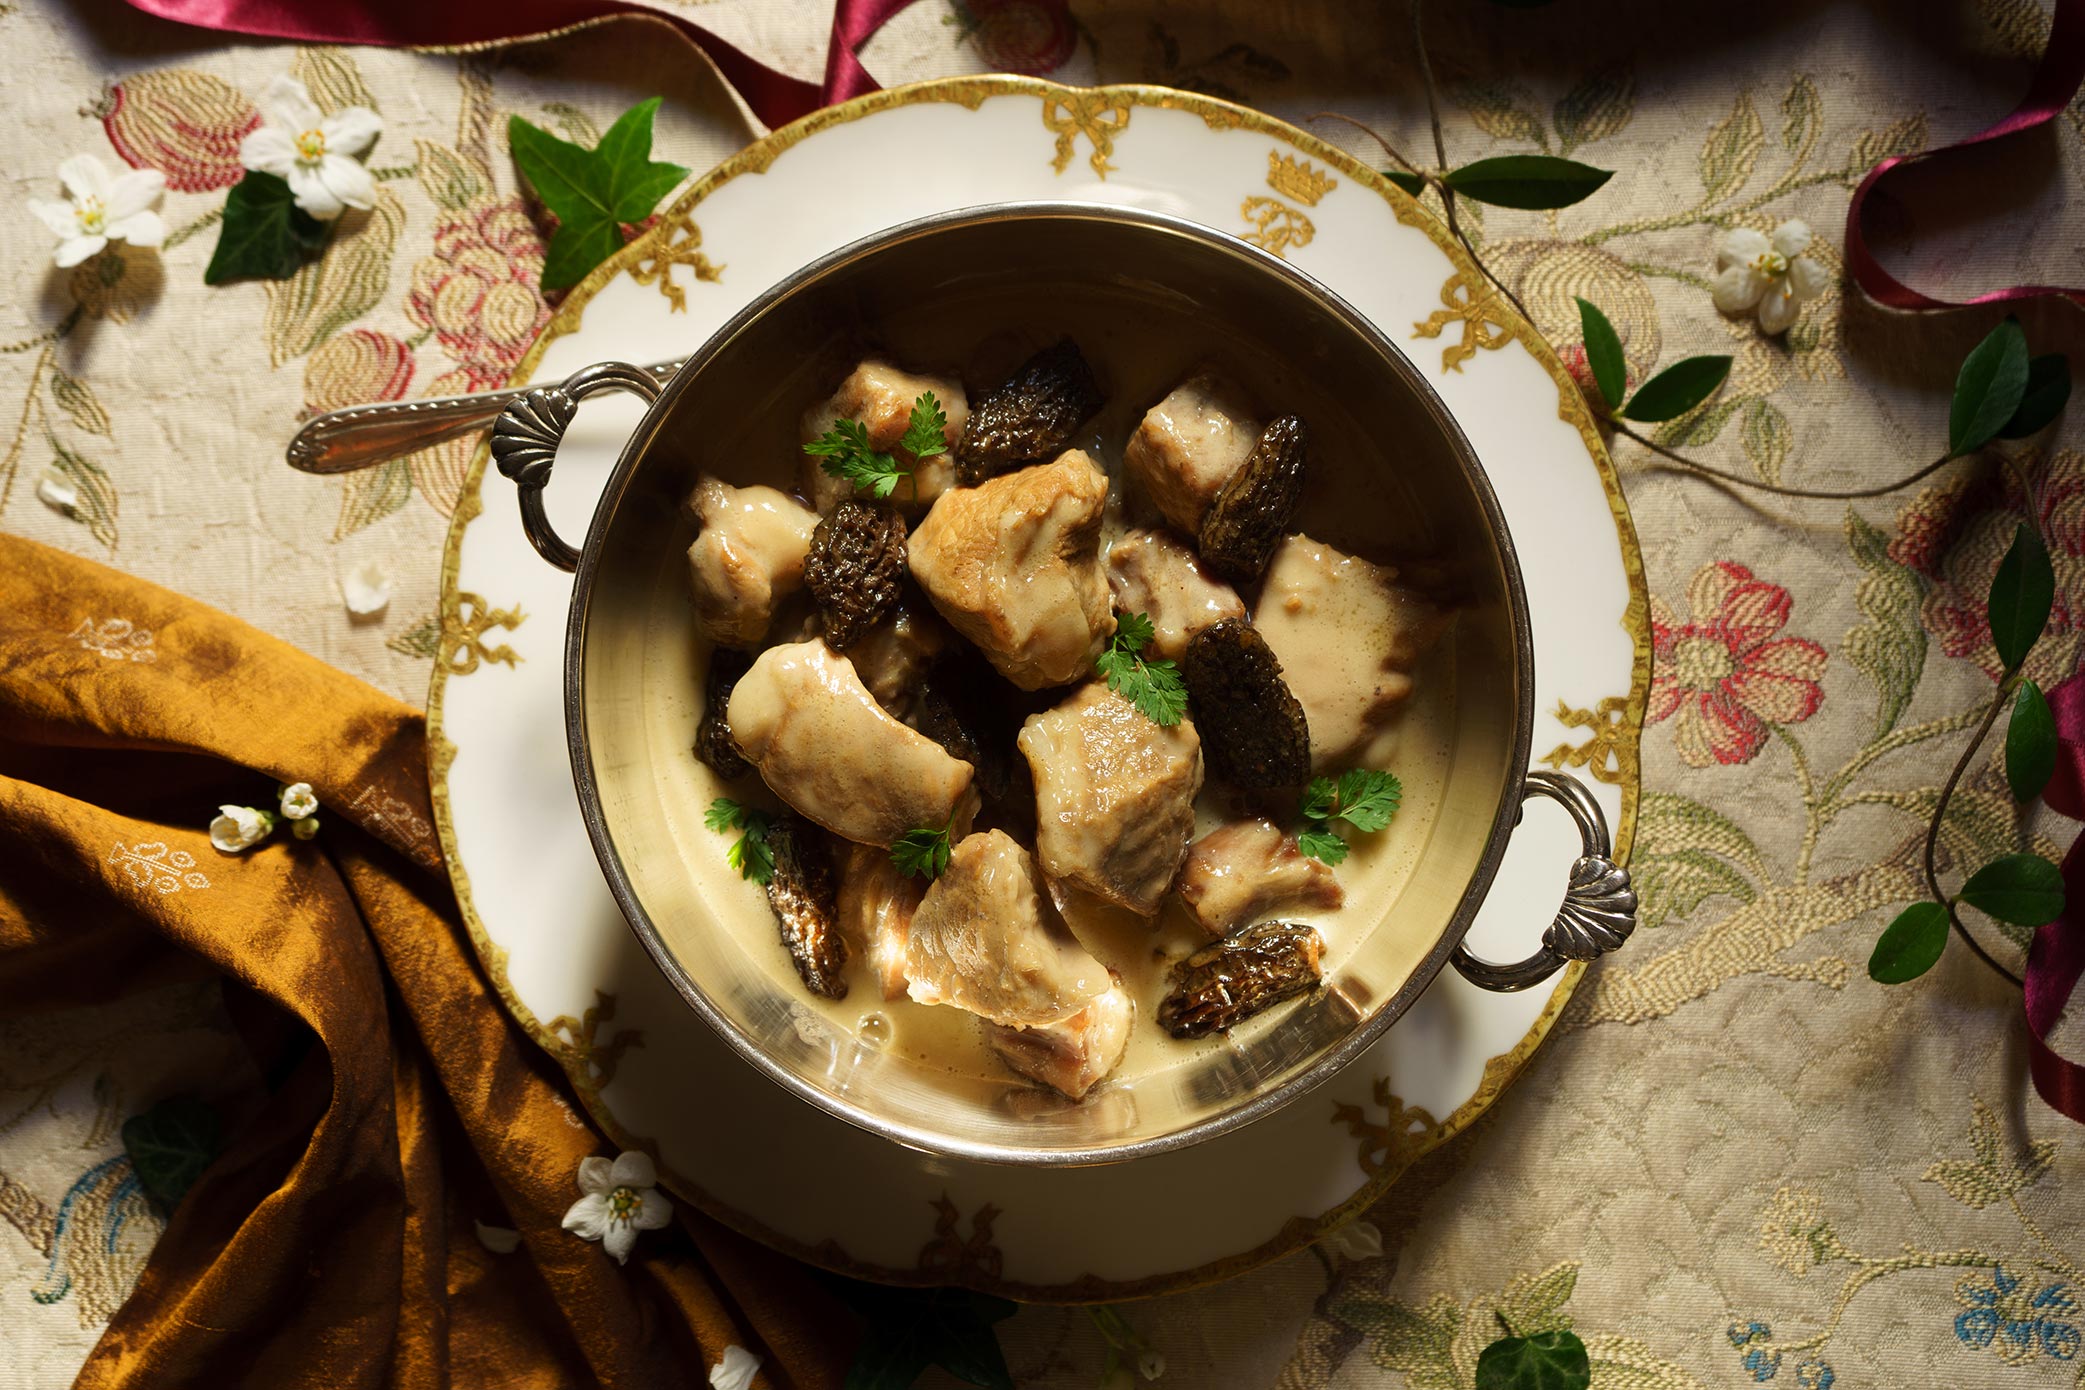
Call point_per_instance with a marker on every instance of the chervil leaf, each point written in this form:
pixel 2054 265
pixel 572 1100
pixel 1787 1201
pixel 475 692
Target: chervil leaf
pixel 1154 687
pixel 724 814
pixel 595 193
pixel 926 433
pixel 1322 845
pixel 922 852
pixel 266 235
pixel 1317 799
pixel 846 455
pixel 1368 799
pixel 750 854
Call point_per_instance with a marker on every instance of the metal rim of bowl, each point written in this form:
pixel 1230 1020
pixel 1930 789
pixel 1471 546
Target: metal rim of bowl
pixel 1320 1069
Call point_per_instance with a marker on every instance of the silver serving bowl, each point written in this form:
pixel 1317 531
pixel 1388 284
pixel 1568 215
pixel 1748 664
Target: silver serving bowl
pixel 732 408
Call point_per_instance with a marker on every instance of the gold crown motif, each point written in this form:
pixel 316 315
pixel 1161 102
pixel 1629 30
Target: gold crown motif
pixel 1296 179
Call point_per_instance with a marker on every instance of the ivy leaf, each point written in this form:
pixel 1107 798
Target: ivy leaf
pixel 1603 352
pixel 1545 1361
pixel 1409 182
pixel 1530 181
pixel 1678 389
pixel 2030 743
pixel 2024 889
pixel 593 192
pixel 1988 389
pixel 2022 593
pixel 265 234
pixel 1910 945
pixel 170 1145
pixel 911 1329
pixel 2048 389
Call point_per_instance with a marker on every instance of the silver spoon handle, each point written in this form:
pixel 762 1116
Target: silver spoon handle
pixel 341 441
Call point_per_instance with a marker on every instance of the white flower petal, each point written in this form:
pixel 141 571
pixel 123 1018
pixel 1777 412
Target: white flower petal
pixel 1357 1240
pixel 500 1240
pixel 1742 244
pixel 57 493
pixel 633 1168
pixel 84 176
pixel 1808 279
pixel 269 150
pixel 653 1211
pixel 366 589
pixel 352 131
pixel 1151 1364
pixel 349 181
pixel 76 249
pixel 288 103
pixel 312 194
pixel 131 193
pixel 735 1370
pixel 59 217
pixel 1792 237
pixel 1737 288
pixel 620 1240
pixel 139 229
pixel 587 1218
pixel 299 801
pixel 593 1176
pixel 239 827
pixel 1778 308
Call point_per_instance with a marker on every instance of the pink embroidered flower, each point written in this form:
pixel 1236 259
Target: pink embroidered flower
pixel 181 121
pixel 1724 673
pixel 478 291
pixel 1025 36
pixel 1954 535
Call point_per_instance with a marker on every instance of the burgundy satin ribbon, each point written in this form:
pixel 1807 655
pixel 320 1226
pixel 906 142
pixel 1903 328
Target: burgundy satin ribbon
pixel 774 97
pixel 2056 80
pixel 2056 959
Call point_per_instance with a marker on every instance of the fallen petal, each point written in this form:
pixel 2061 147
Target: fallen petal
pixel 57 493
pixel 367 589
pixel 500 1240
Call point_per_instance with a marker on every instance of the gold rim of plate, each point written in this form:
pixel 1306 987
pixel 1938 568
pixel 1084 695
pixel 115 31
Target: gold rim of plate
pixel 1080 108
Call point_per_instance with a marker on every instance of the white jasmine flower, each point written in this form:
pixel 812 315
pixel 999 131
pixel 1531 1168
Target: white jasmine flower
pixel 239 828
pixel 102 209
pixel 1769 274
pixel 298 801
pixel 57 494
pixel 500 1240
pixel 367 589
pixel 306 828
pixel 619 1202
pixel 1357 1240
pixel 1150 1364
pixel 314 153
pixel 735 1370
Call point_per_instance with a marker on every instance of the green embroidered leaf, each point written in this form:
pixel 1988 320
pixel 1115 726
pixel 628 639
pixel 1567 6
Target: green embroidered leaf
pixel 2048 390
pixel 1603 353
pixel 1695 429
pixel 1871 147
pixel 2022 593
pixel 1988 389
pixel 1595 109
pixel 265 235
pixel 1730 151
pixel 1531 181
pixel 2024 889
pixel 78 401
pixel 371 495
pixel 1494 108
pixel 95 507
pixel 1678 389
pixel 1668 824
pixel 1405 179
pixel 346 281
pixel 1980 824
pixel 1889 647
pixel 593 192
pixel 1546 1361
pixel 1674 885
pixel 1909 946
pixel 1993 1175
pixel 1766 437
pixel 422 639
pixel 449 179
pixel 1802 114
pixel 1418 1342
pixel 2030 743
pixel 170 1145
pixel 909 1330
pixel 1534 1303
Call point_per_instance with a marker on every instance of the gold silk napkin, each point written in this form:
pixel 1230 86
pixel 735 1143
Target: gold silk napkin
pixel 332 1242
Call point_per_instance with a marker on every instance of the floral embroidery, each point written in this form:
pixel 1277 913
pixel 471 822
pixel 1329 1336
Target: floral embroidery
pixel 186 124
pixel 1025 36
pixel 158 866
pixel 477 293
pixel 2001 1312
pixel 118 639
pixel 1724 673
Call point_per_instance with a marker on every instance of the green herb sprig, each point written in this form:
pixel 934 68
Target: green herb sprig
pixel 845 453
pixel 750 854
pixel 922 852
pixel 1153 686
pixel 1362 797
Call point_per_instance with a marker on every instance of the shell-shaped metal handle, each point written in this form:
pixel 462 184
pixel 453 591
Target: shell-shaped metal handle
pixel 526 435
pixel 1599 910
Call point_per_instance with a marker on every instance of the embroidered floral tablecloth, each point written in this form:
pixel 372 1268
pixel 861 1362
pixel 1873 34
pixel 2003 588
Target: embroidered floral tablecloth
pixel 1737 1160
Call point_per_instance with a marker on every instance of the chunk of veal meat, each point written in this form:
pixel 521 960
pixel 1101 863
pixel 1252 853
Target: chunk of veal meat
pixel 1348 636
pixel 1114 796
pixel 747 557
pixel 988 940
pixel 881 396
pixel 894 657
pixel 1151 573
pixel 1250 870
pixel 1189 445
pixel 875 913
pixel 822 743
pixel 1014 565
pixel 1073 1056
